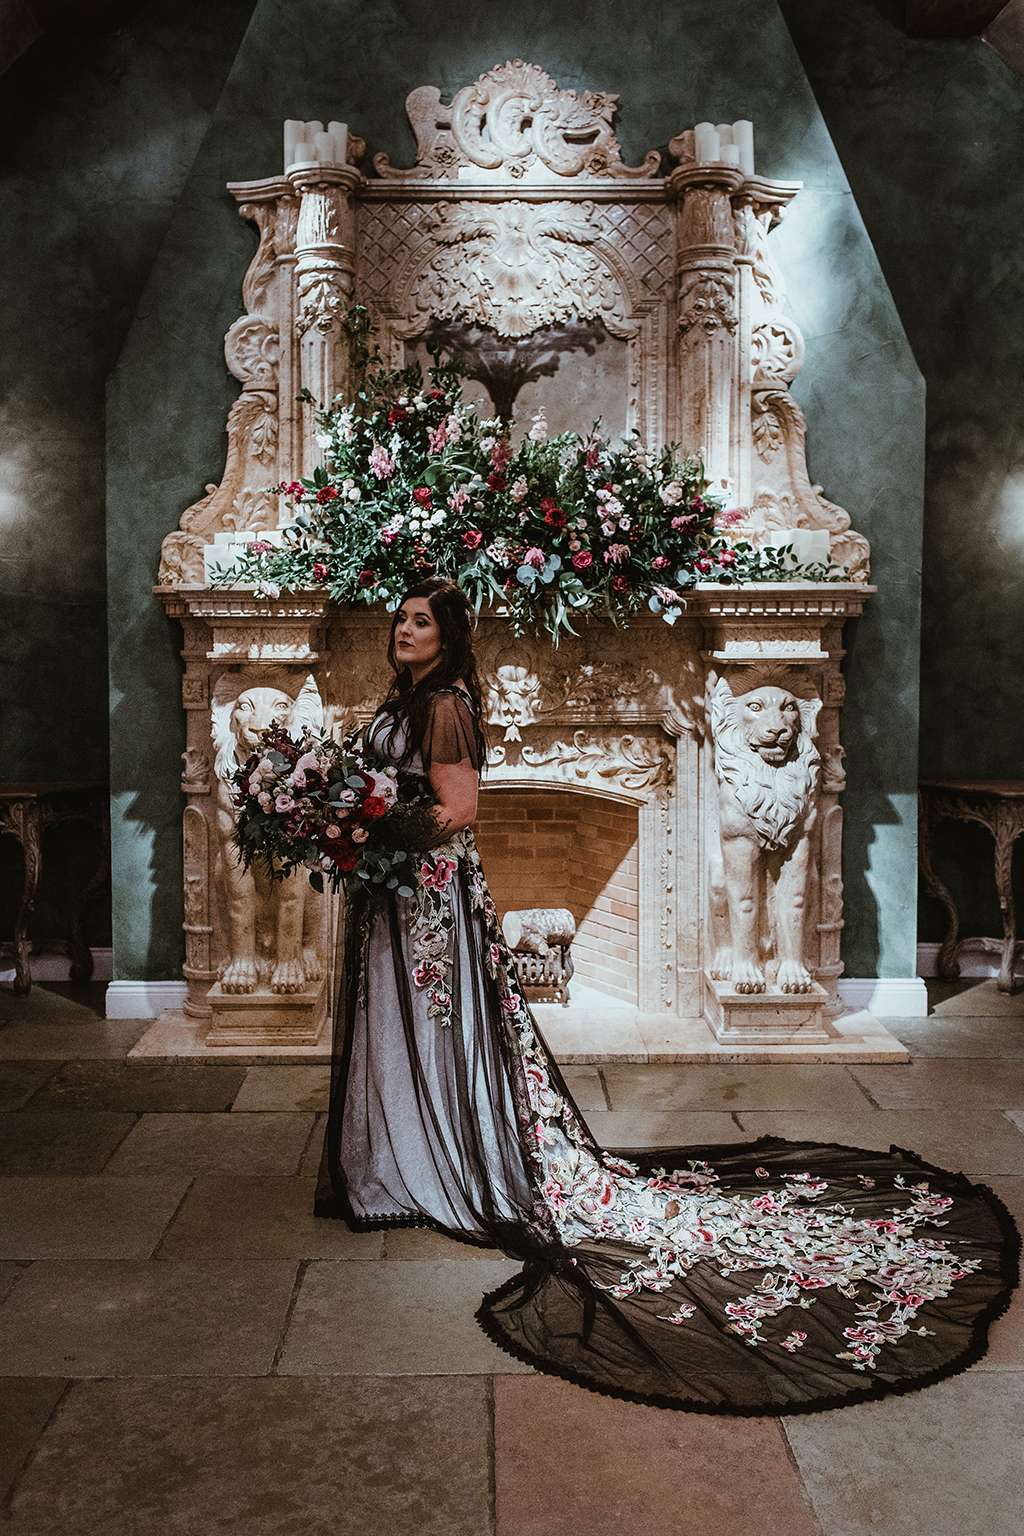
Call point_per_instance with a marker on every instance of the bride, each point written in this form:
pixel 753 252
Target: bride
pixel 764 1277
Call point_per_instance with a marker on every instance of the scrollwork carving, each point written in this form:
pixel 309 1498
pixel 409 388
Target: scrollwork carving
pixel 629 761
pixel 515 122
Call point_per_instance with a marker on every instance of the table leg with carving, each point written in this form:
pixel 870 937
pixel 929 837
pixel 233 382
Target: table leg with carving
pixel 949 967
pixel 23 823
pixel 1009 824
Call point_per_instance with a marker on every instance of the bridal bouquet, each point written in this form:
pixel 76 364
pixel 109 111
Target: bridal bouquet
pixel 323 806
pixel 554 527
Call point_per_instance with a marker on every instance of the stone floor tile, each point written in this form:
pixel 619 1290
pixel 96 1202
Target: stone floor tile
pixel 571 1460
pixel 733 1086
pixel 362 1319
pixel 314 1147
pixel 86 1216
pixel 1006 1339
pixel 626 1128
pixel 10 1273
pixel 238 1216
pixel 982 1139
pixel 111 1039
pixel 264 1457
pixel 975 996
pixel 142 1087
pixel 212 1143
pixel 59 1140
pixel 928 1084
pixel 19 1080
pixel 958 1035
pixel 405 1243
pixel 54 1002
pixel 26 1406
pixel 296 1088
pixel 584 1083
pixel 948 1461
pixel 101 1317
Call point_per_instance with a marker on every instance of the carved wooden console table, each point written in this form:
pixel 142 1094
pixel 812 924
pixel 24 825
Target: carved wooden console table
pixel 26 810
pixel 997 805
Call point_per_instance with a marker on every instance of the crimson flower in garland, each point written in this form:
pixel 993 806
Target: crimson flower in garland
pixel 546 530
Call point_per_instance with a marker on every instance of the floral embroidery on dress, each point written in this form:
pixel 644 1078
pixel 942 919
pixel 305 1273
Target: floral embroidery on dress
pixel 432 926
pixel 802 1243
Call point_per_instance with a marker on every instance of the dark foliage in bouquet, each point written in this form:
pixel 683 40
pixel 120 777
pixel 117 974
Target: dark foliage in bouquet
pixel 322 805
pixel 414 484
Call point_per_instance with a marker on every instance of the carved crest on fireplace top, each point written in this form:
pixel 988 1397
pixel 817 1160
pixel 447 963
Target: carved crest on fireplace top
pixel 514 121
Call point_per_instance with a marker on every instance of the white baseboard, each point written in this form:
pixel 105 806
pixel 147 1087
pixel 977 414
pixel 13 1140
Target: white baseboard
pixel 47 967
pixel 887 997
pixel 144 999
pixel 890 997
pixel 973 960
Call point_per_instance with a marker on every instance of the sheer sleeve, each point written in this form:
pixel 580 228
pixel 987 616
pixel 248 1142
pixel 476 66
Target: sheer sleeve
pixel 449 736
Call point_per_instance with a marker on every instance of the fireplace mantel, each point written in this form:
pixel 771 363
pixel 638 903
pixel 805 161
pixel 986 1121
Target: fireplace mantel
pixel 613 713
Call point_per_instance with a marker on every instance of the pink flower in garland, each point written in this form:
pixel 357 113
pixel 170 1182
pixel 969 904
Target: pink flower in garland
pixel 684 521
pixel 616 553
pixel 381 462
pixel 660 562
pixel 437 437
pixel 320 571
pixel 620 583
pixel 727 557
pixel 327 493
pixel 582 560
pixel 501 454
pixel 535 557
pixel 472 538
pixel 259 547
pixel 423 496
pixel 457 500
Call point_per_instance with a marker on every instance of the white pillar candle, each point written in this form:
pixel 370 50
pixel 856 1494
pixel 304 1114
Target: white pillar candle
pixel 303 152
pixel 724 131
pixel 293 134
pixel 323 148
pixel 312 129
pixel 730 154
pixel 815 546
pixel 705 143
pixel 339 133
pixel 743 138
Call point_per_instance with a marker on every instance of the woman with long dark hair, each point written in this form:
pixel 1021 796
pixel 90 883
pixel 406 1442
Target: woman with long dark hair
pixel 761 1277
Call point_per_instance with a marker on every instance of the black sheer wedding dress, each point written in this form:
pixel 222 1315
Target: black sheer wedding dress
pixel 763 1277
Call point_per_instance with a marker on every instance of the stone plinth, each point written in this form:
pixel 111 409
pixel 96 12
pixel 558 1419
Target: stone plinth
pixel 766 1018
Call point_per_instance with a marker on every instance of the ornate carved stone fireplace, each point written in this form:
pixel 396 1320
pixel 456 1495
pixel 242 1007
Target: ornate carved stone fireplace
pixel 520 222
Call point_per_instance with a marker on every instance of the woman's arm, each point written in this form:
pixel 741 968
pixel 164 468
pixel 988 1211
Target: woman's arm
pixel 456 786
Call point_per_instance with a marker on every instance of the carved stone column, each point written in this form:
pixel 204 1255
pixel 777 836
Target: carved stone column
pixel 708 314
pixel 255 950
pixel 324 275
pixel 773 773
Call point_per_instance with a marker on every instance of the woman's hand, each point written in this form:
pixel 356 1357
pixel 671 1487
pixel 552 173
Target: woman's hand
pixel 457 787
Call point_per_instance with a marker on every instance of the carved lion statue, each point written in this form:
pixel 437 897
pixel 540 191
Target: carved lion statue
pixel 767 766
pixel 273 929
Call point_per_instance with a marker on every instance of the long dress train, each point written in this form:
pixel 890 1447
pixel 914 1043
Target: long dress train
pixel 760 1277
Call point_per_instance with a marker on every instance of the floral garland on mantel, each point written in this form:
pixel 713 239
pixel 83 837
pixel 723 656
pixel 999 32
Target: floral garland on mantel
pixel 414 485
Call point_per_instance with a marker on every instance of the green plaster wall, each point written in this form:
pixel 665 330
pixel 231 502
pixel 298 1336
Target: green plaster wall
pixel 931 135
pixel 97 134
pixel 169 392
